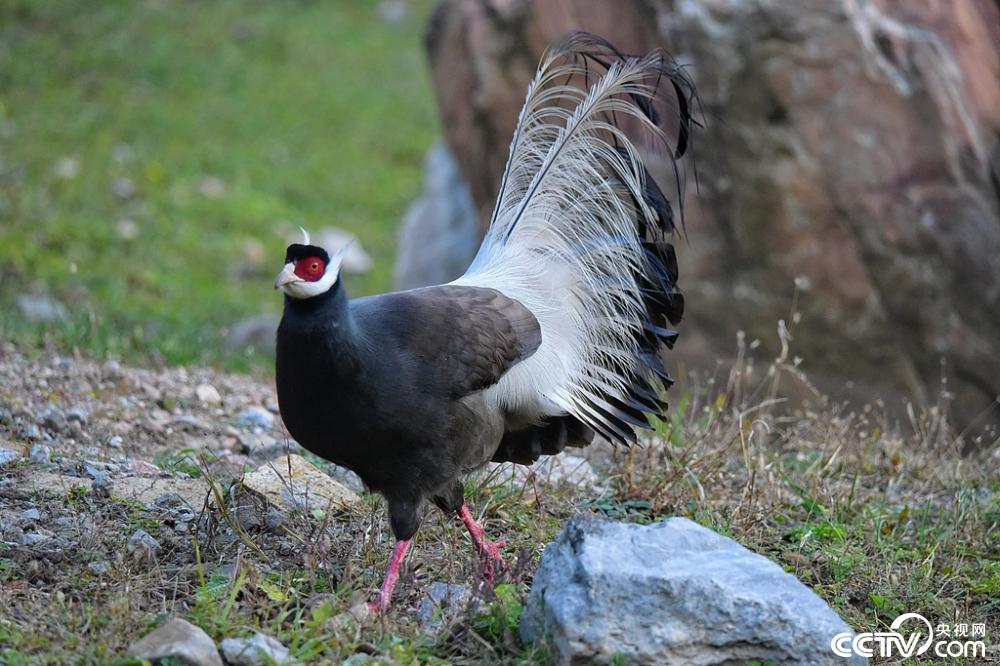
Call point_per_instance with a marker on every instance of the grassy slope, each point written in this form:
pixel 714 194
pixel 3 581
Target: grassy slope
pixel 311 113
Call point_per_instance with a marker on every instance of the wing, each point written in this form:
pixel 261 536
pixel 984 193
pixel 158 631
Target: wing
pixel 464 338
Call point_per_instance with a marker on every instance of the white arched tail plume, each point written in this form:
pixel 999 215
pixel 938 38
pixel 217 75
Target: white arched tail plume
pixel 579 236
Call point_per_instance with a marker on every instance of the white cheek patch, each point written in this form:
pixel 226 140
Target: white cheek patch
pixel 305 289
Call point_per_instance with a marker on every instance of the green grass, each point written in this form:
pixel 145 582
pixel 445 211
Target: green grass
pixel 311 113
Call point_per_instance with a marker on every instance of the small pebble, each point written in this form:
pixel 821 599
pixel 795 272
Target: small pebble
pixel 274 519
pixel 76 414
pixel 31 538
pixel 99 475
pixel 144 468
pixel 40 453
pixel 52 420
pixel 255 418
pixel 100 567
pixel 31 432
pixel 112 370
pixel 8 456
pixel 142 545
pixel 258 650
pixel 186 420
pixel 29 516
pixel 208 394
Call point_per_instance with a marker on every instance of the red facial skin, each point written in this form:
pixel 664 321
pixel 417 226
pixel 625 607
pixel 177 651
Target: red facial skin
pixel 310 269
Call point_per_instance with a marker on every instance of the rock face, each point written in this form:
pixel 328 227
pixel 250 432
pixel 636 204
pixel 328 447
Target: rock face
pixel 852 145
pixel 440 235
pixel 672 593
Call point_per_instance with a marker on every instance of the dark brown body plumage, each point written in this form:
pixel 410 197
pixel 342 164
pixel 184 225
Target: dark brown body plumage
pixel 391 386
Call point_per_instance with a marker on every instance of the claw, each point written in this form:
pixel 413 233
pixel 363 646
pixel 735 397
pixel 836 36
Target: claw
pixel 490 550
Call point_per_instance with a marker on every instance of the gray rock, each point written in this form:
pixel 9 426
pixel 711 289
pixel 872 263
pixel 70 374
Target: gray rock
pixel 41 308
pixel 186 494
pixel 295 484
pixel 52 420
pixel 77 414
pixel 8 456
pixel 142 545
pixel 99 567
pixel 208 394
pixel 32 538
pixel 40 453
pixel 111 370
pixel 188 421
pixel 97 471
pixel 274 520
pixel 671 593
pixel 31 432
pixel 29 517
pixel 439 234
pixel 257 650
pixel 443 603
pixel 180 640
pixel 253 332
pixel 255 418
pixel 9 532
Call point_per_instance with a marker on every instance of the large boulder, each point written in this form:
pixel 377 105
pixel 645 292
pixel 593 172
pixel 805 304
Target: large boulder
pixel 439 235
pixel 672 593
pixel 852 149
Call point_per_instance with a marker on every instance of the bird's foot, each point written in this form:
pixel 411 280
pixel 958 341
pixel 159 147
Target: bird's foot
pixel 495 563
pixel 380 603
pixel 490 550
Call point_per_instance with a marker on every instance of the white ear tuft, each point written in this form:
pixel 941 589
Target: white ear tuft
pixel 305 236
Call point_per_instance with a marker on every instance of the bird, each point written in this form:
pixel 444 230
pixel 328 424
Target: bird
pixel 553 337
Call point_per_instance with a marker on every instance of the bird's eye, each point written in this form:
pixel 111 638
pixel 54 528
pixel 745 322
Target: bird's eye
pixel 310 269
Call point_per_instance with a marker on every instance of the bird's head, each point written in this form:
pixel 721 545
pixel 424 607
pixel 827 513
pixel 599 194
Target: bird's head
pixel 309 270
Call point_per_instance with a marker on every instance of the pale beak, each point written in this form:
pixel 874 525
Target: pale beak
pixel 287 276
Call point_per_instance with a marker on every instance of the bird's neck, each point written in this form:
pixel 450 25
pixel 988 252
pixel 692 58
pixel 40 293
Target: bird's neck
pixel 321 322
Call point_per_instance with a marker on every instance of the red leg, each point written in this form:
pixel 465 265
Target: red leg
pixel 381 602
pixel 488 549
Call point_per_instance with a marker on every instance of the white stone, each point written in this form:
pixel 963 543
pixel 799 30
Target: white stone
pixel 208 394
pixel 145 490
pixel 179 640
pixel 8 456
pixel 294 483
pixel 672 593
pixel 257 650
pixel 255 418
